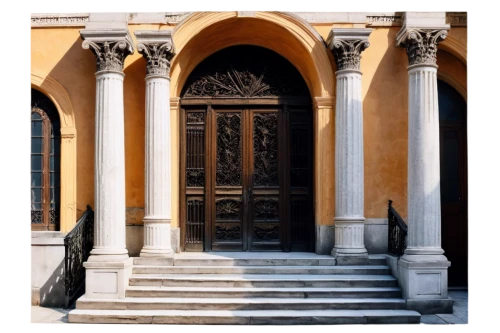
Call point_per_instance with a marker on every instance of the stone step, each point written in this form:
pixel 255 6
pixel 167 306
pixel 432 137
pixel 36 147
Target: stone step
pixel 244 260
pixel 375 269
pixel 131 303
pixel 244 317
pixel 213 292
pixel 262 280
pixel 221 261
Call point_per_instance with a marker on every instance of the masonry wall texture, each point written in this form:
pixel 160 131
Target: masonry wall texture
pixel 58 52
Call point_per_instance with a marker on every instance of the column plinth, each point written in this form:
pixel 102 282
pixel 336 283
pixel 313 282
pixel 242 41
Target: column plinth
pixel 423 268
pixel 347 45
pixel 157 48
pixel 109 266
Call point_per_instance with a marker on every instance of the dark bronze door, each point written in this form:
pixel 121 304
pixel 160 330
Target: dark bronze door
pixel 246 183
pixel 247 178
pixel 246 154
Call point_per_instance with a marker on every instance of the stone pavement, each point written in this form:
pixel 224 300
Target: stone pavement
pixel 459 316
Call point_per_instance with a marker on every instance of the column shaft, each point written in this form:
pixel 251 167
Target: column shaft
pixel 349 169
pixel 158 201
pixel 109 162
pixel 424 205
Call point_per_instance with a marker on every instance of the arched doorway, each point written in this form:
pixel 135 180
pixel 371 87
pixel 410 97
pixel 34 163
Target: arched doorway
pixel 246 154
pixel 45 165
pixel 453 151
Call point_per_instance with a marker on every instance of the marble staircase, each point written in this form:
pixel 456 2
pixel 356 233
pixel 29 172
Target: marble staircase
pixel 252 288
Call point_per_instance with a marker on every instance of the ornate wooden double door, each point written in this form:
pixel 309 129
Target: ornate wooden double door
pixel 247 178
pixel 246 154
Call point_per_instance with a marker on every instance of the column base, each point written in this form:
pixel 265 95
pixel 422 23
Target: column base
pixel 346 257
pixel 430 306
pixel 106 276
pixel 424 281
pixel 157 253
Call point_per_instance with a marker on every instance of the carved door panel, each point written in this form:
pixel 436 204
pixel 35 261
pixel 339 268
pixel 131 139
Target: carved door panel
pixel 247 180
pixel 246 193
pixel 227 194
pixel 193 208
pixel 265 229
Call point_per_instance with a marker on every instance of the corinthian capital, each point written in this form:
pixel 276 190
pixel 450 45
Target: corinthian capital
pixel 421 34
pixel 110 47
pixel 347 45
pixel 421 44
pixel 158 49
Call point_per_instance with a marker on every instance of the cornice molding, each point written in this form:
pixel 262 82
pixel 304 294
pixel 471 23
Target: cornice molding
pixel 59 20
pixel 371 19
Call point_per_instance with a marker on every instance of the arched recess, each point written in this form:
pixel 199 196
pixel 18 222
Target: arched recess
pixel 452 70
pixel 204 33
pixel 455 47
pixel 58 95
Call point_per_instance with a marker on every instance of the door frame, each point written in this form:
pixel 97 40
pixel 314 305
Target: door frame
pixel 206 104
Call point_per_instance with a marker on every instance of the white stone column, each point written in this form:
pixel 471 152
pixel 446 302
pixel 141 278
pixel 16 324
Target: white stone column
pixel 347 45
pixel 424 202
pixel 157 48
pixel 109 166
pixel 109 265
pixel 423 267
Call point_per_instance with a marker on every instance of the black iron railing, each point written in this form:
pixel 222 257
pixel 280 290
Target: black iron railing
pixel 77 246
pixel 397 232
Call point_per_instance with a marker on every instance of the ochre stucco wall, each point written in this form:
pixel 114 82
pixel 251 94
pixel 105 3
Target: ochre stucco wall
pixel 58 53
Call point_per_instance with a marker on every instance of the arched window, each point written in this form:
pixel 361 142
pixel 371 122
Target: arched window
pixel 45 165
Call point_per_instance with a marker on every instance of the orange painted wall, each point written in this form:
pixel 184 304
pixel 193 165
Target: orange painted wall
pixel 58 52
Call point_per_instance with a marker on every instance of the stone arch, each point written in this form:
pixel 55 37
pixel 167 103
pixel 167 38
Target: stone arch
pixel 452 70
pixel 455 47
pixel 204 33
pixel 59 96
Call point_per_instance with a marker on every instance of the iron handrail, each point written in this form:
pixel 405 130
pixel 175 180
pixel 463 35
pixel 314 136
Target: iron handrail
pixel 398 231
pixel 77 246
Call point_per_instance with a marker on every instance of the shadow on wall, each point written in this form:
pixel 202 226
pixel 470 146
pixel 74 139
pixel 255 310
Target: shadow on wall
pixel 75 72
pixel 385 109
pixel 52 292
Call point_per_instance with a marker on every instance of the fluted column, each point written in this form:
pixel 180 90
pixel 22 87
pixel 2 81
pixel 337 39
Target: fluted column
pixel 423 268
pixel 157 48
pixel 424 201
pixel 109 265
pixel 109 160
pixel 347 45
